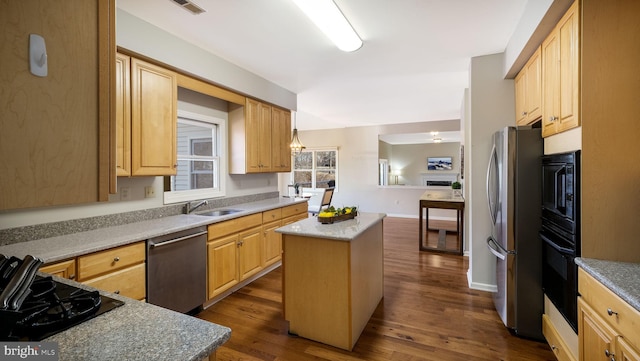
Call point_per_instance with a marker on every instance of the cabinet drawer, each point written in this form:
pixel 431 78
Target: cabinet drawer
pixel 65 269
pixel 110 260
pixel 220 229
pixel 129 282
pixel 294 209
pixel 601 299
pixel 272 215
pixel 554 340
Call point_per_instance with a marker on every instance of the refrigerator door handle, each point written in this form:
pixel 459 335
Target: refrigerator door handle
pixel 497 249
pixel 493 207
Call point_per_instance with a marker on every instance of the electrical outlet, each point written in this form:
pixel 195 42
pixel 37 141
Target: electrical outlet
pixel 149 192
pixel 124 194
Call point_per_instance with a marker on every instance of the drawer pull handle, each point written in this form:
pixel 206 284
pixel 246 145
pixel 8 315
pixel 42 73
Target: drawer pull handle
pixel 116 259
pixel 611 312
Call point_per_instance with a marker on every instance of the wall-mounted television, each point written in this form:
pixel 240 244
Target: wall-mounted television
pixel 439 163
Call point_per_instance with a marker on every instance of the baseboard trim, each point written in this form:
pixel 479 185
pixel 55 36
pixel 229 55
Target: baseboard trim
pixel 480 286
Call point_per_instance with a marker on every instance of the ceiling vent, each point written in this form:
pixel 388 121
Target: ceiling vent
pixel 189 5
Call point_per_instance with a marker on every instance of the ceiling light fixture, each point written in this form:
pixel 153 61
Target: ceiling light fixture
pixel 328 17
pixel 296 145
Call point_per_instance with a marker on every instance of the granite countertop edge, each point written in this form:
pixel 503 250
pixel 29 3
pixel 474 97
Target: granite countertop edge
pixel 341 231
pixel 622 278
pixel 77 244
pixel 168 335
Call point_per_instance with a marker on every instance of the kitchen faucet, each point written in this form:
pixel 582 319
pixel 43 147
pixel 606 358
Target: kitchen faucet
pixel 188 208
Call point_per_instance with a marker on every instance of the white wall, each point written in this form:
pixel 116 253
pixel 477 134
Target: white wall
pixel 357 182
pixel 492 106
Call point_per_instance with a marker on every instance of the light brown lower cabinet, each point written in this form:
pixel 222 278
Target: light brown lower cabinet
pixel 557 344
pixel 120 270
pixel 608 327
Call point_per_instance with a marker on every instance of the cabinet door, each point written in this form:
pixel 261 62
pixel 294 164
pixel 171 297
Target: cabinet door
pixel 624 351
pixel 561 75
pixel 55 141
pixel 569 32
pixel 521 94
pixel 222 265
pixel 596 339
pixel 153 119
pixel 265 127
pixel 123 115
pixel 250 252
pixel 253 136
pixel 272 243
pixel 533 106
pixel 551 81
pixel 280 140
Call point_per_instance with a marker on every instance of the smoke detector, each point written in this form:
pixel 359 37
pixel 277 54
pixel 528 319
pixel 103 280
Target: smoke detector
pixel 190 6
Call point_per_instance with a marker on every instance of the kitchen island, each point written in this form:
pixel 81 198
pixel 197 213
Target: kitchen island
pixel 332 277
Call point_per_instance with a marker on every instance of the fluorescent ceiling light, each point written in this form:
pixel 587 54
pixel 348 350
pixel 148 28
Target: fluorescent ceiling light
pixel 328 17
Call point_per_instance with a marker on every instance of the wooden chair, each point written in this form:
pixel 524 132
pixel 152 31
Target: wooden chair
pixel 325 202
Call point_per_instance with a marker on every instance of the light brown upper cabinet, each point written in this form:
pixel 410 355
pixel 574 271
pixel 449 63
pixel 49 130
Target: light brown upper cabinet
pixel 258 138
pixel 528 84
pixel 280 140
pixel 146 116
pixel 56 139
pixel 561 75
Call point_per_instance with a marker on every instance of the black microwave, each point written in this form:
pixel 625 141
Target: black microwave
pixel 560 191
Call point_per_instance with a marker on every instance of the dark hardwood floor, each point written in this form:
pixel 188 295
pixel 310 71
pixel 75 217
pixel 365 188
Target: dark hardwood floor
pixel 427 313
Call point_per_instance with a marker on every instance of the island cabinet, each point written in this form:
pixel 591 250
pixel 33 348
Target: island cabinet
pixel 561 75
pixel 528 91
pixel 55 141
pixel 258 138
pixel 332 277
pixel 118 270
pixel 146 116
pixel 608 327
pixel 234 252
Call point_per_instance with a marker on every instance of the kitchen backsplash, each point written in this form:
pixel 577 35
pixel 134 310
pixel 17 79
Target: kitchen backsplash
pixel 46 230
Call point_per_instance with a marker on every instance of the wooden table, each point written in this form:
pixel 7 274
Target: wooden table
pixel 444 199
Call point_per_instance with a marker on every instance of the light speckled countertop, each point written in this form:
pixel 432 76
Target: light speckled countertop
pixel 139 331
pixel 621 278
pixel 344 230
pixel 76 244
pixel 136 330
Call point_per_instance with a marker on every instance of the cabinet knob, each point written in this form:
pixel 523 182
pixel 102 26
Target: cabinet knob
pixel 553 118
pixel 117 292
pixel 607 353
pixel 611 312
pixel 71 277
pixel 524 113
pixel 116 259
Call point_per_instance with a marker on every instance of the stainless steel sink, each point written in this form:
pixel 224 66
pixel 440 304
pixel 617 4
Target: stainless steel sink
pixel 219 212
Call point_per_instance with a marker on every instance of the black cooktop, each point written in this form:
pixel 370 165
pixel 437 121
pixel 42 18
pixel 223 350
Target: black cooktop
pixel 56 308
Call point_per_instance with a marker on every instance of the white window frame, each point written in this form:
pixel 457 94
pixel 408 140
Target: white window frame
pixel 313 166
pixel 221 142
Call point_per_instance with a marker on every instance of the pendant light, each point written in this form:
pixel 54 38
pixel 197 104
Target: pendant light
pixel 296 144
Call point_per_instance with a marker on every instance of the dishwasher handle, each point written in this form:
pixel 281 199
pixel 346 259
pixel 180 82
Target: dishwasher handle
pixel 166 243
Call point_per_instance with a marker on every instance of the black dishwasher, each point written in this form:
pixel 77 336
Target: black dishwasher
pixel 177 270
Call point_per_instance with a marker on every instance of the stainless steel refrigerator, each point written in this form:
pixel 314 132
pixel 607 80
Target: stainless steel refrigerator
pixel 514 197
